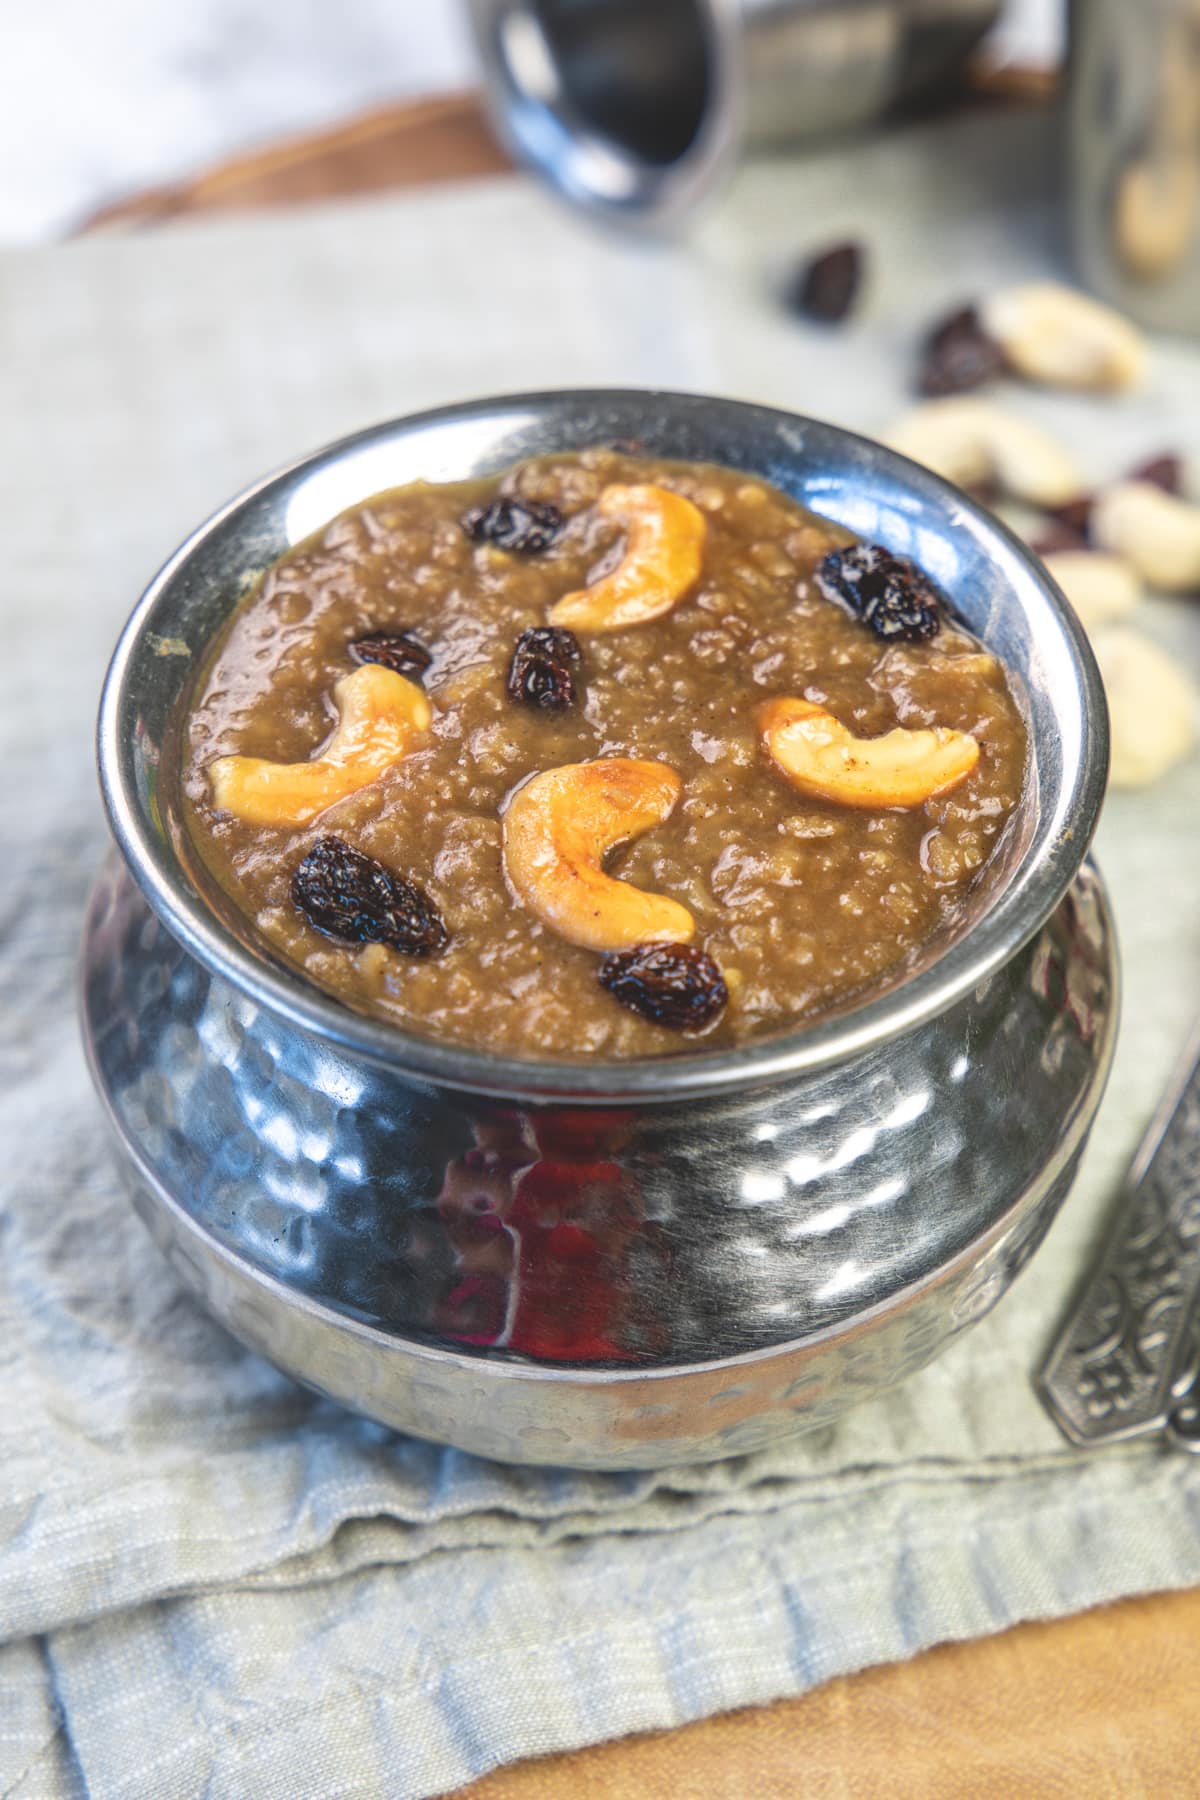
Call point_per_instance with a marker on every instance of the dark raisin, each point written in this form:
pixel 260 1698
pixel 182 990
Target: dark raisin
pixel 959 355
pixel 541 672
pixel 1057 537
pixel 629 446
pixel 889 593
pixel 524 525
pixel 670 984
pixel 826 286
pixel 1074 515
pixel 1164 471
pixel 357 900
pixel 397 650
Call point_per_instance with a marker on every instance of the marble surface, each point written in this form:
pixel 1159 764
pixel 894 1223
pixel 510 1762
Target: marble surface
pixel 99 101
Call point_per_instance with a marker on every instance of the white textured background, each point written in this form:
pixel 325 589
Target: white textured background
pixel 101 97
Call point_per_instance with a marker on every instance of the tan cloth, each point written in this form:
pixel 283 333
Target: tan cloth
pixel 342 1650
pixel 1104 1705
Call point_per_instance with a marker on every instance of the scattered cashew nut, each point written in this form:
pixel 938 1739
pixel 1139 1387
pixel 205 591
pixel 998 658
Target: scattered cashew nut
pixel 557 831
pixel 974 443
pixel 1157 532
pixel 822 758
pixel 663 550
pixel 1154 213
pixel 380 715
pixel 1151 706
pixel 1100 587
pixel 1056 335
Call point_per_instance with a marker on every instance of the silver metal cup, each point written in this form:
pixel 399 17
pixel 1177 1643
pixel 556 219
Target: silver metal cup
pixel 1133 137
pixel 635 108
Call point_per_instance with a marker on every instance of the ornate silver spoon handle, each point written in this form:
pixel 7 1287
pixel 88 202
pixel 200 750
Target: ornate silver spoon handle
pixel 1128 1350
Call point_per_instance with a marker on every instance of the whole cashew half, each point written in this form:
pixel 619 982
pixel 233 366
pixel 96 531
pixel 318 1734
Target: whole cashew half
pixel 663 549
pixel 974 443
pixel 557 831
pixel 380 715
pixel 1099 586
pixel 1056 335
pixel 823 759
pixel 1158 533
pixel 1152 706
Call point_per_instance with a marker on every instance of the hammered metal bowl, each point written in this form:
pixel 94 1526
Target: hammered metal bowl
pixel 603 1265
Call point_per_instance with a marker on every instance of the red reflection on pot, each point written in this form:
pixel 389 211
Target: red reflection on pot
pixel 541 1217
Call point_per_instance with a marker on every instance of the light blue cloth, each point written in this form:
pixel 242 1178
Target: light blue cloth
pixel 212 1582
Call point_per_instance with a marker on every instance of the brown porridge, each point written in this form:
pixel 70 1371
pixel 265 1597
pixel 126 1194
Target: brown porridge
pixel 480 758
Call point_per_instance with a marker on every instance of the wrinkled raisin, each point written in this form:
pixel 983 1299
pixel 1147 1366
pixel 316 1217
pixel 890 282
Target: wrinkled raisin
pixel 670 984
pixel 1056 538
pixel 397 650
pixel 826 286
pixel 1074 515
pixel 1164 471
pixel 524 525
pixel 959 355
pixel 357 900
pixel 889 593
pixel 541 672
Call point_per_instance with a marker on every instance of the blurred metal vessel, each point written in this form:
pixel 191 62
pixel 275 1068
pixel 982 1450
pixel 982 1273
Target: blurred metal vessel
pixel 1133 141
pixel 610 1265
pixel 635 108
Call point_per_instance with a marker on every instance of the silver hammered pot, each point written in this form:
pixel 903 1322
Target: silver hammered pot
pixel 603 1265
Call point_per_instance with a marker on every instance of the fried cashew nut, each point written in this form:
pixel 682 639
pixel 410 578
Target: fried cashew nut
pixel 823 759
pixel 664 545
pixel 557 831
pixel 380 716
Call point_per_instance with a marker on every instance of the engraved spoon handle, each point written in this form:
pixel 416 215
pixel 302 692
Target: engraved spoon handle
pixel 1127 1349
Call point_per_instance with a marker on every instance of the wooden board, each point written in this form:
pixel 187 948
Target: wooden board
pixel 445 138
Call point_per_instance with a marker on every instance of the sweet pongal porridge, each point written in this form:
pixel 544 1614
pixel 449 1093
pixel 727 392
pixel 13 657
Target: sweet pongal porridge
pixel 605 756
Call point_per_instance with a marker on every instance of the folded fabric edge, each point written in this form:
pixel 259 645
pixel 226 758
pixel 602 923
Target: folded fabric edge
pixel 451 1666
pixel 46 1587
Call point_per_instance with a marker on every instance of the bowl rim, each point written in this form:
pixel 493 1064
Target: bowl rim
pixel 1034 888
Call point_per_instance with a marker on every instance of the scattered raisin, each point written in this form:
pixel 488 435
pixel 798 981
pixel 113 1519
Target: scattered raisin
pixel 1074 515
pixel 1070 523
pixel 670 984
pixel 628 446
pixel 1057 537
pixel 1164 471
pixel 397 650
pixel 959 355
pixel 541 672
pixel 357 900
pixel 826 286
pixel 523 525
pixel 889 593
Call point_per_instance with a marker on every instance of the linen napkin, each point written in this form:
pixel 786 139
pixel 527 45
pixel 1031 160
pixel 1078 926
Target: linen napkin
pixel 212 1581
